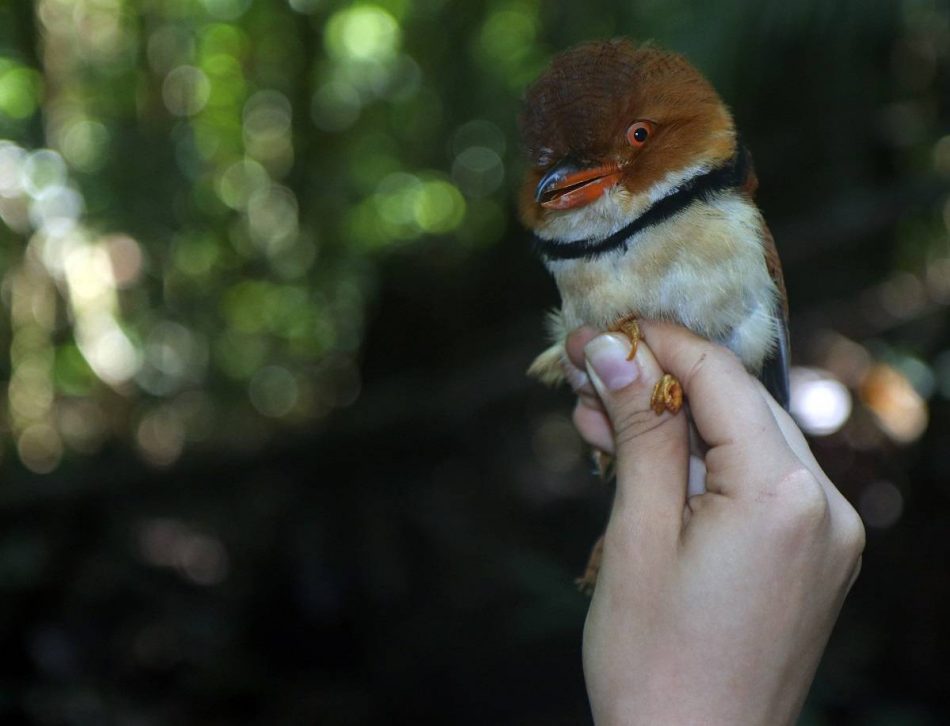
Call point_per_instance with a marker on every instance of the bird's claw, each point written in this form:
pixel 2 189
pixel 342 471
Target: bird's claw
pixel 629 326
pixel 667 395
pixel 586 582
pixel 603 464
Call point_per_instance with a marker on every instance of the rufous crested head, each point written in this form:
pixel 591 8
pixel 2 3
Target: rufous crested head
pixel 612 119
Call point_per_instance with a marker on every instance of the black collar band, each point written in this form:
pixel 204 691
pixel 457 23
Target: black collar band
pixel 731 175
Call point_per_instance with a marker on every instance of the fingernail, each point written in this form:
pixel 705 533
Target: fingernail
pixel 577 378
pixel 607 361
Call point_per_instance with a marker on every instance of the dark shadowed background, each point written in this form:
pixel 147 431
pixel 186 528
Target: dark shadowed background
pixel 269 454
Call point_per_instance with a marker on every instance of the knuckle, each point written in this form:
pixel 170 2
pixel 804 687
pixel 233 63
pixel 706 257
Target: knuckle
pixel 853 536
pixel 707 352
pixel 802 506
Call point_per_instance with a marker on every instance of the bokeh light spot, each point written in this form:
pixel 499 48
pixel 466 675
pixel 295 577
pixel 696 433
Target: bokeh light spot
pixel 239 355
pixel 902 296
pixel 30 393
pixel 267 129
pixel 126 257
pixel 917 373
pixel 85 144
pixel 111 353
pixel 439 207
pixel 204 560
pixel 186 90
pixel 273 391
pixel 11 163
pixel 40 448
pixel 478 171
pixel 222 40
pixel 295 261
pixel 82 424
pixel 174 355
pixel 195 256
pixel 820 404
pixel 506 43
pixel 238 182
pixel 171 543
pixel 19 90
pixel 245 304
pixel 89 271
pixel 362 33
pixel 56 210
pixel 881 504
pixel 41 170
pixel 161 436
pixel 478 132
pixel 272 218
pixel 395 202
pixel 898 408
pixel 267 113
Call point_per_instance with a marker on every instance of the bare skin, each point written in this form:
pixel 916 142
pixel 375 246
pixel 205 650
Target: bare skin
pixel 715 608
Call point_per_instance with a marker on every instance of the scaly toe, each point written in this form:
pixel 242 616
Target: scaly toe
pixel 667 395
pixel 629 326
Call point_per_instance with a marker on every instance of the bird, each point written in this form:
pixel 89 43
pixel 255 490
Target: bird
pixel 639 194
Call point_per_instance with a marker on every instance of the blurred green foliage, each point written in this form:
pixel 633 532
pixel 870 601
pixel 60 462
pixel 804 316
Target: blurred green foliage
pixel 194 192
pixel 195 196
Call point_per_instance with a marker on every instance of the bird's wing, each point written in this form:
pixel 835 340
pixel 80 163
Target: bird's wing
pixel 774 375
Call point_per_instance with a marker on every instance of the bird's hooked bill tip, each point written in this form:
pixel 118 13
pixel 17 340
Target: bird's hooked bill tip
pixel 567 184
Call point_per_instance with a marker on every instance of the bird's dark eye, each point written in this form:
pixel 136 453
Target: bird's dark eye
pixel 639 132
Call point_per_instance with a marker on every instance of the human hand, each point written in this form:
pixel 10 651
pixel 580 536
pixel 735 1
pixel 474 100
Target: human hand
pixel 715 608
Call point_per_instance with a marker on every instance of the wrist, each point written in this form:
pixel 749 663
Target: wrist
pixel 704 693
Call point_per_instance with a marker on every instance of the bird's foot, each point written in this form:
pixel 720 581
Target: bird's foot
pixel 603 463
pixel 667 395
pixel 628 326
pixel 587 581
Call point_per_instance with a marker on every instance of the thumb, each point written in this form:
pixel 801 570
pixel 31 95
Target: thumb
pixel 652 451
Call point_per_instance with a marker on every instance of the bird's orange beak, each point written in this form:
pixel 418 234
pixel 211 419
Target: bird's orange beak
pixel 567 185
